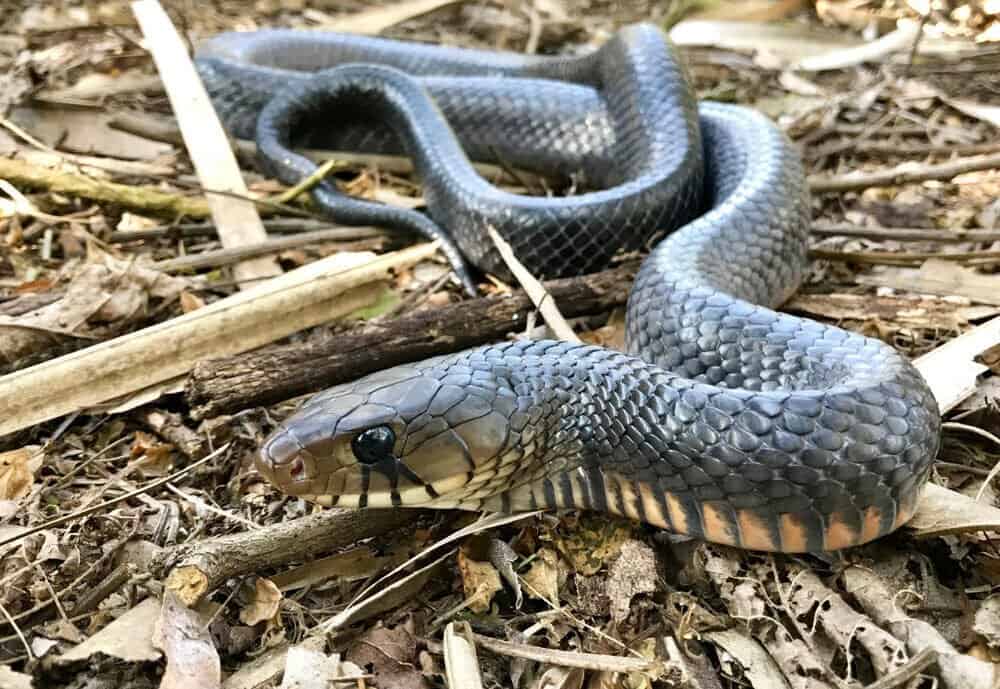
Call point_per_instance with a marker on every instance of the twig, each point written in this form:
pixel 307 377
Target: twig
pixel 265 377
pixel 220 257
pixel 900 234
pixel 198 568
pixel 587 661
pixel 535 290
pixel 162 129
pixel 903 175
pixel 146 200
pixel 202 229
pixel 916 44
pixel 309 182
pixel 914 667
pixel 905 258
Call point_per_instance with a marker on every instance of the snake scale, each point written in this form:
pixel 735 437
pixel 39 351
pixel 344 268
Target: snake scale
pixel 724 419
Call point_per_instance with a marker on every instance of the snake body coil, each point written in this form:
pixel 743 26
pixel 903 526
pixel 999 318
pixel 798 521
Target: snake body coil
pixel 726 420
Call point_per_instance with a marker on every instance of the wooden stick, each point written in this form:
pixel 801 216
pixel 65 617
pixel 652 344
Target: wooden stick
pixel 905 234
pixel 261 378
pixel 316 293
pixel 534 289
pixel 145 200
pixel 349 238
pixel 951 370
pixel 237 220
pixel 909 174
pixel 198 568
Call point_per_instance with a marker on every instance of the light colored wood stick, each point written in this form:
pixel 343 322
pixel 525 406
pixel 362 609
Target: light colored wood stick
pixel 316 293
pixel 237 220
pixel 535 290
pixel 951 370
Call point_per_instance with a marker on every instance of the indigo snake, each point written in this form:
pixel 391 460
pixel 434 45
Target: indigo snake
pixel 724 419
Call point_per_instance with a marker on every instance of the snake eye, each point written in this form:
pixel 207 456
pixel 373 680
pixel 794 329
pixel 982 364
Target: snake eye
pixel 373 445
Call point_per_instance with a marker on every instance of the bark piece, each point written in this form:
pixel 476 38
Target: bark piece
pixel 263 378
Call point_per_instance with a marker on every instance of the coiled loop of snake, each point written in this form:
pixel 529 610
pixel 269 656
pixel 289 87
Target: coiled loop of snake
pixel 726 420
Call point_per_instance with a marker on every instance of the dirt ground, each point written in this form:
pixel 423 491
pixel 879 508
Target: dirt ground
pixel 140 547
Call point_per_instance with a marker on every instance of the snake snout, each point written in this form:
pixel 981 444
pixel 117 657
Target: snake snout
pixel 285 461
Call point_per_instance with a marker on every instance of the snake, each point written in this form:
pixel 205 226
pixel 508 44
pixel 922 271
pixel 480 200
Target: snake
pixel 721 418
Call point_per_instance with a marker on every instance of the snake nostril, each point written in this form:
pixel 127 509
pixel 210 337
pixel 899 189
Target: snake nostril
pixel 280 449
pixel 298 468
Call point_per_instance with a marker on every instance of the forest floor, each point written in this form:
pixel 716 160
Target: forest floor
pixel 140 547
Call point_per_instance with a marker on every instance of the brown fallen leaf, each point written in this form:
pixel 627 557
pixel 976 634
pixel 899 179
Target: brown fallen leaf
pixel 942 511
pixel 480 581
pixel 128 638
pixel 17 471
pixel 264 605
pixel 86 132
pixel 152 456
pixel 391 656
pixel 542 580
pixel 633 573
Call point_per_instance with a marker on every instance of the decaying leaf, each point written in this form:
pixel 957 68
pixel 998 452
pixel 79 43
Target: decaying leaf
pixel 264 604
pixel 17 471
pixel 480 580
pixel 151 455
pixel 987 621
pixel 542 579
pixel 182 633
pixel 129 637
pixel 390 656
pixel 593 543
pixel 633 573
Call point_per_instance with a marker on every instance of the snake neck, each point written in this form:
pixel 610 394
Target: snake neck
pixel 778 470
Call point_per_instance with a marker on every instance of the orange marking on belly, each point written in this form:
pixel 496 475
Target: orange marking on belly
pixel 652 507
pixel 838 533
pixel 793 534
pixel 754 532
pixel 678 517
pixel 629 499
pixel 719 525
pixel 871 524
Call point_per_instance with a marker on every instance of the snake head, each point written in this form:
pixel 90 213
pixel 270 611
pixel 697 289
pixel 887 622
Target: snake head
pixel 410 435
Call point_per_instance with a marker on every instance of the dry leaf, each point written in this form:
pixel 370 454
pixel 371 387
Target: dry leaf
pixel 183 635
pixel 593 543
pixel 633 573
pixel 265 604
pixel 542 580
pixel 392 656
pixel 987 621
pixel 152 457
pixel 480 580
pixel 128 638
pixel 17 471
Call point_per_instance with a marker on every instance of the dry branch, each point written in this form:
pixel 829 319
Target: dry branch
pixel 145 200
pixel 904 174
pixel 199 568
pixel 313 294
pixel 262 378
pixel 348 239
